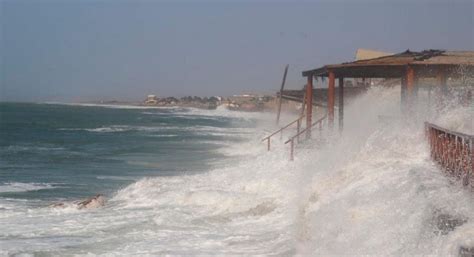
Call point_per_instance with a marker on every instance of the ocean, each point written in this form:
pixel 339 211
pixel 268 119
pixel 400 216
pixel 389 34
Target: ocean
pixel 184 181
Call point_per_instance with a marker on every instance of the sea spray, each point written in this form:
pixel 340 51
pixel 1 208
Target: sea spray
pixel 371 190
pixel 374 189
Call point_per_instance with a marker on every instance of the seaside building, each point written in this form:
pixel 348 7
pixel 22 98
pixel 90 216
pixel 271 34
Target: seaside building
pixel 366 54
pixel 151 100
pixel 407 67
pixel 440 74
pixel 245 102
pixel 432 70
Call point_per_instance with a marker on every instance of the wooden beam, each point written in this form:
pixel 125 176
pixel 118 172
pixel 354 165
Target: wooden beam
pixel 303 102
pixel 410 88
pixel 403 92
pixel 281 93
pixel 331 96
pixel 299 100
pixel 341 104
pixel 443 88
pixel 442 81
pixel 309 105
pixel 410 80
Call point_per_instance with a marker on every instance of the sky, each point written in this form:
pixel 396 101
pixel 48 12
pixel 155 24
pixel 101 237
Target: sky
pixel 91 50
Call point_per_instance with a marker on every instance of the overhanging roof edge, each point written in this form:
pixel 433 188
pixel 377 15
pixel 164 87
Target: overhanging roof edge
pixel 316 72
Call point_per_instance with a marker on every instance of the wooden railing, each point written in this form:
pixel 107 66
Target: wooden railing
pixel 453 151
pixel 297 136
pixel 298 127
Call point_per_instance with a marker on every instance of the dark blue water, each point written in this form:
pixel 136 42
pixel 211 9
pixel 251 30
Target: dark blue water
pixel 53 151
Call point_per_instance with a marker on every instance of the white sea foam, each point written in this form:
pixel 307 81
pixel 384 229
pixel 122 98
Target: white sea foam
pixel 114 106
pixel 199 130
pixel 372 190
pixel 30 147
pixel 459 119
pixel 118 177
pixel 23 187
pixel 220 112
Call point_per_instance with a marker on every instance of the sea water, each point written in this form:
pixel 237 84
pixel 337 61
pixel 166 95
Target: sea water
pixel 200 182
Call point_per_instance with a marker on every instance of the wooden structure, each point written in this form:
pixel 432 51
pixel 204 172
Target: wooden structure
pixel 280 98
pixel 452 150
pixel 297 136
pixel 407 66
pixel 280 131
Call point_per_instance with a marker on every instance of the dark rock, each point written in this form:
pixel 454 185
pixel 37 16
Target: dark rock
pixel 446 223
pixel 89 203
pixel 92 202
pixel 466 251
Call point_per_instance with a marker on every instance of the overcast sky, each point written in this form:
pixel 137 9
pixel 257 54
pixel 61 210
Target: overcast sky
pixel 101 49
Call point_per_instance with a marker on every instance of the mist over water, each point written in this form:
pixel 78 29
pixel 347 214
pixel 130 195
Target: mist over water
pixel 373 189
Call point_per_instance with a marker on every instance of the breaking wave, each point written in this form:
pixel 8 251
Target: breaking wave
pixel 201 130
pixel 371 190
pixel 24 187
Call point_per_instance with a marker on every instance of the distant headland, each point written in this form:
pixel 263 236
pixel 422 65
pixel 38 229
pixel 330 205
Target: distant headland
pixel 244 102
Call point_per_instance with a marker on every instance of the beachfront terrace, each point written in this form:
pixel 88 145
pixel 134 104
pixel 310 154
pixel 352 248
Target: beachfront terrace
pixel 454 153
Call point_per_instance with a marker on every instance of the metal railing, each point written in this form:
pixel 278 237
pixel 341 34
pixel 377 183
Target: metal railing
pixel 297 136
pixel 298 127
pixel 453 151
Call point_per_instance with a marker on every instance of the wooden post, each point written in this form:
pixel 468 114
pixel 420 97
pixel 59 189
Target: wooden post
pixel 471 170
pixel 410 80
pixel 341 104
pixel 281 94
pixel 303 103
pixel 403 92
pixel 331 95
pixel 292 150
pixel 309 105
pixel 443 88
pixel 298 126
pixel 441 77
pixel 429 97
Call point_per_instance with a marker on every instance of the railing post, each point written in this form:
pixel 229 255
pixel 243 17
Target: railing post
pixel 331 96
pixel 309 107
pixel 268 144
pixel 298 125
pixel 321 129
pixel 292 150
pixel 469 171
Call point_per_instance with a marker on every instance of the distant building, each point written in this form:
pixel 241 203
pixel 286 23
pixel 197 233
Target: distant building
pixel 151 100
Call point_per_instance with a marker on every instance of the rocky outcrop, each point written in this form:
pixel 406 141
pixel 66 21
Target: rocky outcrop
pixel 89 203
pixel 466 252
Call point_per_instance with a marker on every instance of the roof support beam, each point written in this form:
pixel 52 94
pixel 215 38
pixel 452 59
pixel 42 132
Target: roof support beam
pixel 403 93
pixel 410 86
pixel 443 88
pixel 442 81
pixel 341 104
pixel 309 105
pixel 331 96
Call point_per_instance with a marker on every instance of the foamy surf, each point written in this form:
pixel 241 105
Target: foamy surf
pixel 23 187
pixel 372 190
